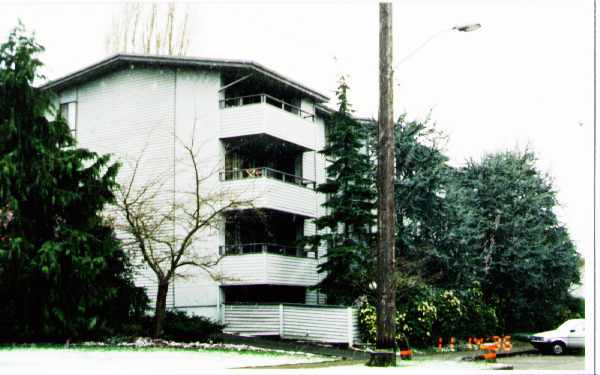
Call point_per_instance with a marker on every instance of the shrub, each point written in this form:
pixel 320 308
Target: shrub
pixel 414 321
pixel 480 318
pixel 450 314
pixel 573 308
pixel 432 313
pixel 178 326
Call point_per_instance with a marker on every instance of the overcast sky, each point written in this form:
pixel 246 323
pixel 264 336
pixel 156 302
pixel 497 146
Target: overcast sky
pixel 523 80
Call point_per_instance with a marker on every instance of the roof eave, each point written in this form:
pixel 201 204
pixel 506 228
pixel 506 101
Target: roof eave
pixel 113 62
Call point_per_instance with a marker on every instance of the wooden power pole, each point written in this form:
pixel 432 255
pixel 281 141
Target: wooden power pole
pixel 386 267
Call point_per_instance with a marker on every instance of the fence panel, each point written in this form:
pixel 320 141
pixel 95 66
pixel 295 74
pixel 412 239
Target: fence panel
pixel 330 324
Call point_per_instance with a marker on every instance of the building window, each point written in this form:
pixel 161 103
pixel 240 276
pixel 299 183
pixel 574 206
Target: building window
pixel 63 111
pixel 67 112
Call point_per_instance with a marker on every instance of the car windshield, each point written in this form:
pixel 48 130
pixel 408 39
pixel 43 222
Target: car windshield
pixel 570 324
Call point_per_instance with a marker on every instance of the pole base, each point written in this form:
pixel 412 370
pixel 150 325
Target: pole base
pixel 382 359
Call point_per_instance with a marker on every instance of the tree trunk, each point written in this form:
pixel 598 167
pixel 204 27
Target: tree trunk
pixel 160 308
pixel 386 308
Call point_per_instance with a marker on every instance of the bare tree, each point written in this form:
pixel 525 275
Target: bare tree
pixel 150 28
pixel 163 235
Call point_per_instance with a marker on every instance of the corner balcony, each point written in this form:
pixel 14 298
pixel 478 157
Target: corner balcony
pixel 271 189
pixel 264 114
pixel 266 263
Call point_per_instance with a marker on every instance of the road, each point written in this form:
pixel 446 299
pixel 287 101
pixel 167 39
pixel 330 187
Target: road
pixel 546 362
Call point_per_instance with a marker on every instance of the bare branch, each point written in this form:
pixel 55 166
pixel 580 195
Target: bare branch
pixel 165 228
pixel 150 28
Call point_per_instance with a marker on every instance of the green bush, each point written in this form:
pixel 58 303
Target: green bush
pixel 178 326
pixel 450 314
pixel 432 313
pixel 480 318
pixel 573 308
pixel 414 321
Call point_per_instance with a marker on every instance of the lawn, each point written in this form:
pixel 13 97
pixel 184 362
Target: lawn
pixel 251 355
pixel 21 360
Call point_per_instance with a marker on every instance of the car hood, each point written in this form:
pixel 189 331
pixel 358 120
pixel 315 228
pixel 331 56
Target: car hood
pixel 546 334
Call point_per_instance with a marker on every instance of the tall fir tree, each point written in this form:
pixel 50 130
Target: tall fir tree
pixel 346 230
pixel 62 271
pixel 503 233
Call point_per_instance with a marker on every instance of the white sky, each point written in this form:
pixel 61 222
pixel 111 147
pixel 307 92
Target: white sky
pixel 524 79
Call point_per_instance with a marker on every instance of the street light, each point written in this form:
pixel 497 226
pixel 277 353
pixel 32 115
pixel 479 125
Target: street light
pixel 462 28
pixel 467 28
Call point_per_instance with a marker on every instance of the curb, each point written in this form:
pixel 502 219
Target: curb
pixel 503 367
pixel 502 355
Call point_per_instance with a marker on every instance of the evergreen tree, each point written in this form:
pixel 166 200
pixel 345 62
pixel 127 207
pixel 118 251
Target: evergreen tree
pixel 421 171
pixel 62 272
pixel 504 234
pixel 347 227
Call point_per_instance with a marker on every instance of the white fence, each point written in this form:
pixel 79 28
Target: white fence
pixel 322 323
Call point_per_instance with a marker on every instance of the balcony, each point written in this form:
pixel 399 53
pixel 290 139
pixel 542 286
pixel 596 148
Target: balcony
pixel 272 189
pixel 264 114
pixel 242 174
pixel 265 248
pixel 267 268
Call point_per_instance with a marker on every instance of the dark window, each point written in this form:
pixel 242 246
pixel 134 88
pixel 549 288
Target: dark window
pixel 265 294
pixel 63 112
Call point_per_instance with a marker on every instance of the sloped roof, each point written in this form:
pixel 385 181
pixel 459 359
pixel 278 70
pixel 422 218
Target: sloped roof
pixel 119 60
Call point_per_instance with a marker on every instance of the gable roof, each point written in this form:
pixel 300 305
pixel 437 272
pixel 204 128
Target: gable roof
pixel 117 61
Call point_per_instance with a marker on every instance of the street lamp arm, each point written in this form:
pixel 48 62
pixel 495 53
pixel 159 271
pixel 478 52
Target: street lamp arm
pixel 463 28
pixel 420 47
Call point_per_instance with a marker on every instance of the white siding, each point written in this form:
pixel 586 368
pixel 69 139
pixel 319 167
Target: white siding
pixel 271 269
pixel 197 122
pixel 274 194
pixel 243 269
pixel 256 320
pixel 308 165
pixel 319 145
pixel 130 114
pixel 307 105
pixel 291 270
pixel 311 297
pixel 262 118
pixel 320 177
pixel 147 113
pixel 150 113
pixel 68 96
pixel 209 311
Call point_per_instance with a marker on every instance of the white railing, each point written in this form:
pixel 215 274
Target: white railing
pixel 254 248
pixel 265 98
pixel 240 174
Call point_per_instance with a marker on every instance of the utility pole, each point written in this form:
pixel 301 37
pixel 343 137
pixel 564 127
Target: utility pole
pixel 386 267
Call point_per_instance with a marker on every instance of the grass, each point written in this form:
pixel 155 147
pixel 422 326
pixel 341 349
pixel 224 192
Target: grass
pixel 114 348
pixel 337 351
pixel 323 364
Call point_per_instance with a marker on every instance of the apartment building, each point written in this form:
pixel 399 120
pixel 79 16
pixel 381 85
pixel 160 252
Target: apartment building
pixel 260 132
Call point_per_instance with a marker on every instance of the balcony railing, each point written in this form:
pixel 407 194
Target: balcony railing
pixel 266 248
pixel 268 99
pixel 241 174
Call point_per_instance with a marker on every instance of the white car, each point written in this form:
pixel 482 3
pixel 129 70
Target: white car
pixel 570 335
